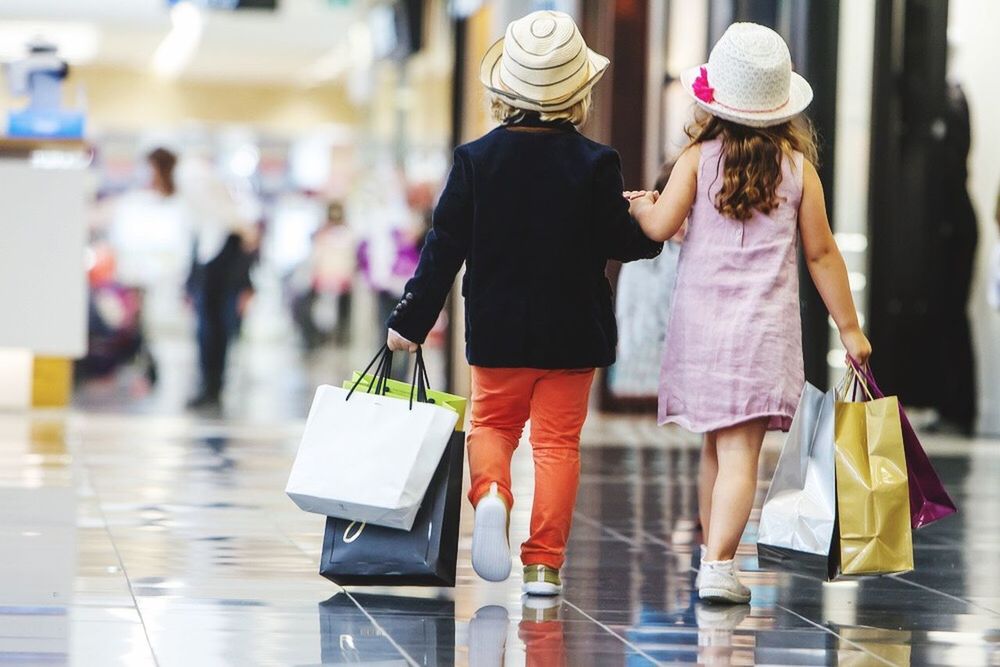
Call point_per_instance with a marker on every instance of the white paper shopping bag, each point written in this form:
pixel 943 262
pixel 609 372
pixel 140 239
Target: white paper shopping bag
pixel 369 458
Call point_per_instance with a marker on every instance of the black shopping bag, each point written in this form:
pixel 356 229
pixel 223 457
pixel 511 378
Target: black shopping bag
pixel 423 628
pixel 357 554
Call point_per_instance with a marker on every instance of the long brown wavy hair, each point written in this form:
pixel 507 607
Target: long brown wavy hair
pixel 753 155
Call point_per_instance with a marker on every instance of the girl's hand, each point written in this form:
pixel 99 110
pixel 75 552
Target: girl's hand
pixel 637 206
pixel 637 194
pixel 397 343
pixel 857 345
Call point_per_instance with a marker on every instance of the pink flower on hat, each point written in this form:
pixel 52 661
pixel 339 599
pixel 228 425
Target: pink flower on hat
pixel 702 90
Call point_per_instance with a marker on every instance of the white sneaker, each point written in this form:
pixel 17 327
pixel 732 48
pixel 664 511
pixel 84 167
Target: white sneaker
pixel 697 577
pixel 719 583
pixel 490 542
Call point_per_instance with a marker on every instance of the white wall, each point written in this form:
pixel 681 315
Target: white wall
pixel 974 26
pixel 43 288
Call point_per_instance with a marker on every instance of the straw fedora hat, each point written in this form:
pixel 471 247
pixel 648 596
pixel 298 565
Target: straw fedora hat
pixel 748 79
pixel 542 63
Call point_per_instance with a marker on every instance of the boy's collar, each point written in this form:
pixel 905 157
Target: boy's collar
pixel 532 119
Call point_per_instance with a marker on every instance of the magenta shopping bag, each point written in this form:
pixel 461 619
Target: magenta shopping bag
pixel 929 501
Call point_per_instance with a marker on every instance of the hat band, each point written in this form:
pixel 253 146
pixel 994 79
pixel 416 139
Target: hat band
pixel 702 91
pixel 739 110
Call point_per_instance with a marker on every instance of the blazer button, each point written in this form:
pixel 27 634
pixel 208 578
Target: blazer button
pixel 409 296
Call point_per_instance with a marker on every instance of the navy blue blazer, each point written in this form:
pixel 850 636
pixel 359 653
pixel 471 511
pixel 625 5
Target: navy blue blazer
pixel 535 211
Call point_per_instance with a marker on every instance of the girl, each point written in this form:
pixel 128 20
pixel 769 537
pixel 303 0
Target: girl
pixel 732 366
pixel 534 210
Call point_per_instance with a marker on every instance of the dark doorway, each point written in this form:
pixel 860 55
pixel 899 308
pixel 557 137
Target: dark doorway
pixel 917 243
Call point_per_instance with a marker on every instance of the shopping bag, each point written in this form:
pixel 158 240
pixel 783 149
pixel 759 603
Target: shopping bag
pixel 799 515
pixel 873 505
pixel 358 554
pixel 380 629
pixel 929 501
pixel 369 457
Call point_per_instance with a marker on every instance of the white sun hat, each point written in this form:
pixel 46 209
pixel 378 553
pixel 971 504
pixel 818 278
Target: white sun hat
pixel 749 79
pixel 542 63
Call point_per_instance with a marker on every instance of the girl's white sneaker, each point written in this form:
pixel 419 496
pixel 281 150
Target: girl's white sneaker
pixel 719 583
pixel 697 578
pixel 490 543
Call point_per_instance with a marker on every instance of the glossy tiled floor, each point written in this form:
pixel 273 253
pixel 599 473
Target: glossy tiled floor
pixel 142 540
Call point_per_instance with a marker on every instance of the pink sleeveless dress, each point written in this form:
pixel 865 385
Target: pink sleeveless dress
pixel 733 350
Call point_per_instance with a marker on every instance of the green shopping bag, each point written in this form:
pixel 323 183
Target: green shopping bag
pixel 404 390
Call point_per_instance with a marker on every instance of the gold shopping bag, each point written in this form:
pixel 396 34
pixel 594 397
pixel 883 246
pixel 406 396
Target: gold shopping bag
pixel 873 504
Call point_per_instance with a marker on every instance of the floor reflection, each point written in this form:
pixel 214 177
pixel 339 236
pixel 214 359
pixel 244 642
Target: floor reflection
pixel 363 628
pixel 154 540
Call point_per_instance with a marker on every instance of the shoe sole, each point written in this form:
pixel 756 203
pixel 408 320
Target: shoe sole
pixel 722 596
pixel 541 589
pixel 490 547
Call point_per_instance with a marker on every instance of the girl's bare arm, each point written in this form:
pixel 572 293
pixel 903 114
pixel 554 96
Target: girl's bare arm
pixel 826 265
pixel 661 218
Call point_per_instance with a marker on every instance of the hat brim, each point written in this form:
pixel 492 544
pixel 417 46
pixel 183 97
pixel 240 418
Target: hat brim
pixel 800 94
pixel 489 76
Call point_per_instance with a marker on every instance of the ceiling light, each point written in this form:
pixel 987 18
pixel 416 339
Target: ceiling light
pixel 179 46
pixel 354 53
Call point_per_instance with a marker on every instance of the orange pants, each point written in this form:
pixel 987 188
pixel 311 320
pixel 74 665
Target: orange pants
pixel 503 399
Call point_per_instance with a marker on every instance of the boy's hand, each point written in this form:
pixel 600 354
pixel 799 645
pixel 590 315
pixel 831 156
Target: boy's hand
pixel 397 343
pixel 857 345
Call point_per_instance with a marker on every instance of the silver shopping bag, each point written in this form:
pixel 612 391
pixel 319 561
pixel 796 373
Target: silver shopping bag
pixel 799 516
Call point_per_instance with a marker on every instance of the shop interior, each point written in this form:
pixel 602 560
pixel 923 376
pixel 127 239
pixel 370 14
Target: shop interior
pixel 144 513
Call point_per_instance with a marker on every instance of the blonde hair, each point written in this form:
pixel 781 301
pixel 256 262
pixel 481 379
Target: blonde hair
pixel 753 155
pixel 504 112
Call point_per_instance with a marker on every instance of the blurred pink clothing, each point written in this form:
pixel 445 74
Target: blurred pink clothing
pixel 733 350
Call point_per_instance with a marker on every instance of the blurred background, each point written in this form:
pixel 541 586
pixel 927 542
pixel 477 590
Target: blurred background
pixel 220 199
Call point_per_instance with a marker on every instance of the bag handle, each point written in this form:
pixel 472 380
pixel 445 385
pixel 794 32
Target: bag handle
pixel 421 381
pixel 381 381
pixel 383 368
pixel 860 378
pixel 866 372
pixel 384 359
pixel 854 377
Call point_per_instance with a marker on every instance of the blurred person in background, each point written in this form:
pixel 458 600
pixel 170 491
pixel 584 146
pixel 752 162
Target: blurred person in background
pixel 218 285
pixel 389 253
pixel 954 379
pixel 642 306
pixel 148 241
pixel 323 306
pixel 993 289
